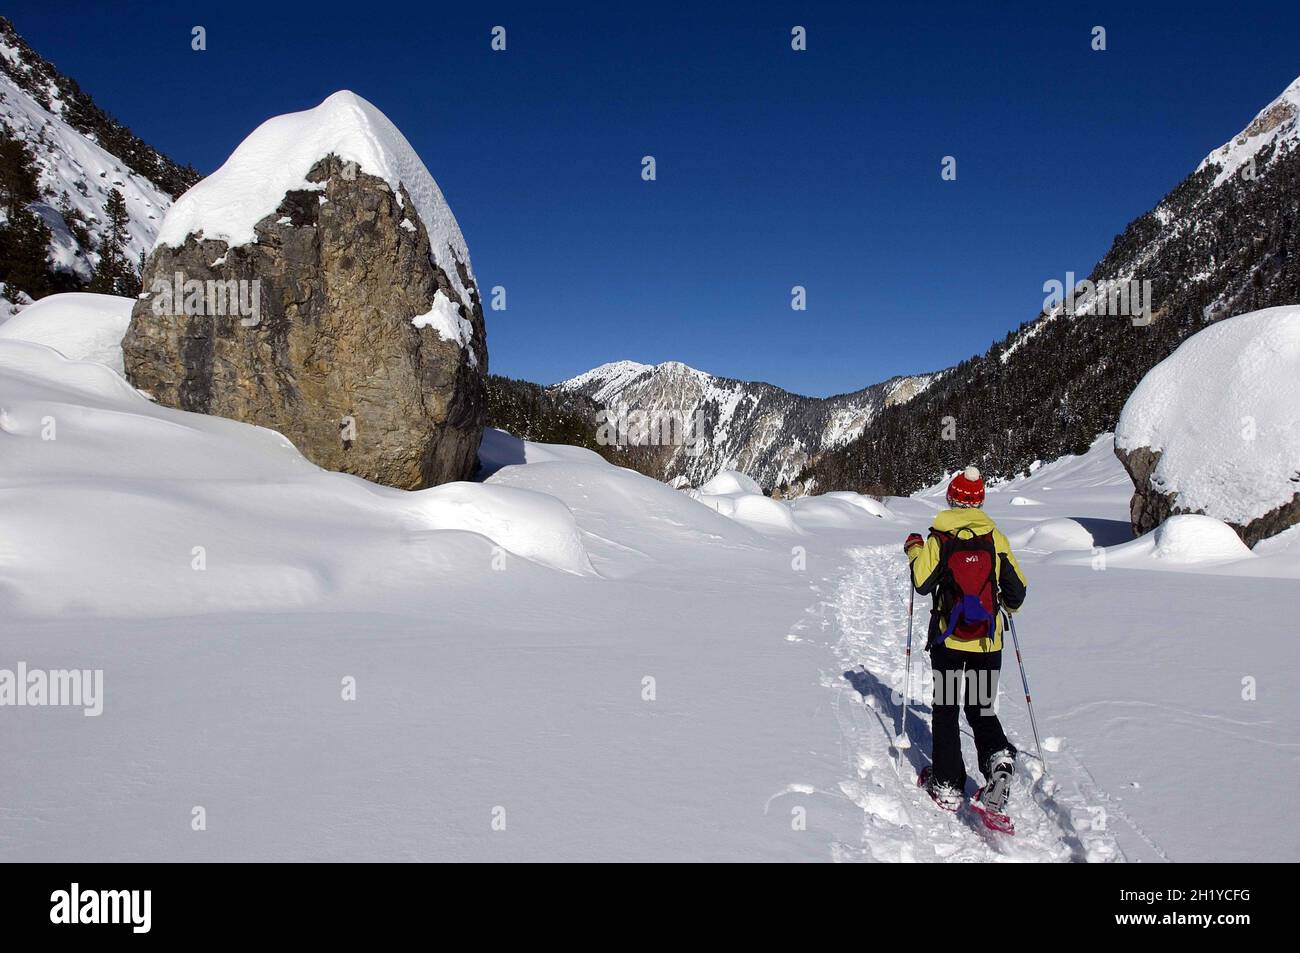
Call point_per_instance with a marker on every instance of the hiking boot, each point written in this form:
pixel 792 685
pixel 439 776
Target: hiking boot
pixel 946 795
pixel 997 786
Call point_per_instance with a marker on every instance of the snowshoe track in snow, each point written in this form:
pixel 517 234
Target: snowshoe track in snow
pixel 864 621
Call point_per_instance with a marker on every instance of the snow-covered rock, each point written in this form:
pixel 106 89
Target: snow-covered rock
pixel 359 331
pixel 278 158
pixel 1213 428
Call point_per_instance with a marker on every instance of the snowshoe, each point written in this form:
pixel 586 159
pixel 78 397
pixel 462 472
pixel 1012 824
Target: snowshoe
pixel 990 801
pixel 947 797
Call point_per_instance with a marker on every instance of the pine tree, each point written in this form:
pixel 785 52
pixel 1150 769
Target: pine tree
pixel 115 274
pixel 24 237
pixel 24 241
pixel 18 182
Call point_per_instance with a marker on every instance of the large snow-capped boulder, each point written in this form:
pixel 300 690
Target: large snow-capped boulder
pixel 1213 428
pixel 318 284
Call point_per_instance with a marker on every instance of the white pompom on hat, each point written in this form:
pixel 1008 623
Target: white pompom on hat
pixel 966 488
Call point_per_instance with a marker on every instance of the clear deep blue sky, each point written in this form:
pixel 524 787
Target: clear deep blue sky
pixel 775 168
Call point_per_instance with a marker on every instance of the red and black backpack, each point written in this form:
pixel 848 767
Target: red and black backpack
pixel 967 585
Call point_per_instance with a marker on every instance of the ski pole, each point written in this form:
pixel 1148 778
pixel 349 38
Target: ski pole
pixel 1024 680
pixel 907 679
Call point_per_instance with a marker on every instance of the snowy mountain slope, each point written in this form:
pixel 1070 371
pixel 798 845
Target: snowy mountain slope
pixel 1276 128
pixel 617 670
pixel 763 431
pixel 72 141
pixel 1217 245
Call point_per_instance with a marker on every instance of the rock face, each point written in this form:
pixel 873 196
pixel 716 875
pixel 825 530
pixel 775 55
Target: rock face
pixel 343 323
pixel 1212 430
pixel 1152 505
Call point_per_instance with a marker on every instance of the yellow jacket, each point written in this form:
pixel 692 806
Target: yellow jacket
pixel 925 574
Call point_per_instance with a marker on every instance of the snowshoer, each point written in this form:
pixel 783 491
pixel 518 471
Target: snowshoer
pixel 967 565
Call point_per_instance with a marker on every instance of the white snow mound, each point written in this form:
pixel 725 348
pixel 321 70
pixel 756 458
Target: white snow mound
pixel 738 497
pixel 1191 538
pixel 1183 542
pixel 731 481
pixel 753 509
pixel 500 449
pixel 155 511
pixel 1222 412
pixel 869 504
pixel 838 510
pixel 1051 536
pixel 531 524
pixel 81 327
pixel 278 154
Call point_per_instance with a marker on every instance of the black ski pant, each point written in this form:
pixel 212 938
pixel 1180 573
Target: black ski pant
pixel 966 680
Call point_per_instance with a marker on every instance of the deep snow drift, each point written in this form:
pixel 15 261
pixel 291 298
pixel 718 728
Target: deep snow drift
pixel 614 668
pixel 84 327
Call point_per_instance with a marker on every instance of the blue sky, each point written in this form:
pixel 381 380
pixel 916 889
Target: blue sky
pixel 775 168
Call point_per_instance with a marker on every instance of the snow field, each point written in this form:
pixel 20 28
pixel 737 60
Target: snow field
pixel 626 671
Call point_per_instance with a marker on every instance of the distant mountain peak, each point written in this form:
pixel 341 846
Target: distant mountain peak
pixel 1276 125
pixel 756 428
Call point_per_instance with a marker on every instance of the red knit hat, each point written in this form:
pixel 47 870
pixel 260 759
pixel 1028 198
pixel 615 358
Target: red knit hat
pixel 966 488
